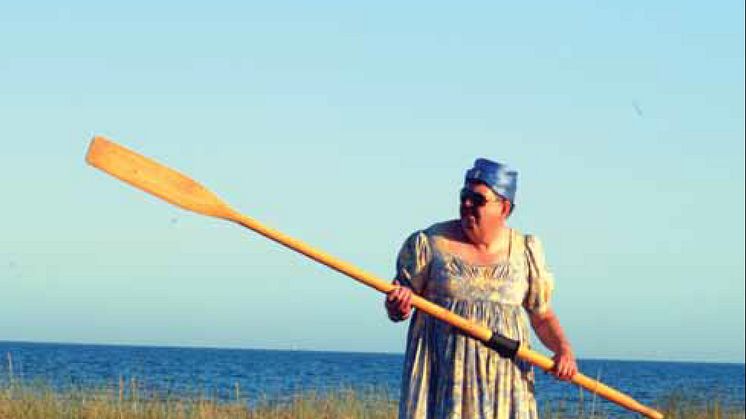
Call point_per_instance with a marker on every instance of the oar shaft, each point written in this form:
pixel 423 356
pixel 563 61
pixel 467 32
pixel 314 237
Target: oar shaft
pixel 467 327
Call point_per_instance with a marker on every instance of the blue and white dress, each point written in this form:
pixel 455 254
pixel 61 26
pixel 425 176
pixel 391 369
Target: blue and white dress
pixel 447 374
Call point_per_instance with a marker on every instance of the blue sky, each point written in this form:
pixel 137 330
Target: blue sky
pixel 349 126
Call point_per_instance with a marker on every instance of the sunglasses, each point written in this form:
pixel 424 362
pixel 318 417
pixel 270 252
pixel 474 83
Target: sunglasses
pixel 476 198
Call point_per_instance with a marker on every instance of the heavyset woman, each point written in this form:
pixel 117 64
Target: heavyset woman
pixel 480 268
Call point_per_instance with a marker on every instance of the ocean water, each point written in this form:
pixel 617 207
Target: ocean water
pixel 277 375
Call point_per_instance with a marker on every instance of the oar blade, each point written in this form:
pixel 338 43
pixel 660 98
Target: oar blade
pixel 154 178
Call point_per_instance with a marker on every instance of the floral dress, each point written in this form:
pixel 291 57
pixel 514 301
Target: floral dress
pixel 447 374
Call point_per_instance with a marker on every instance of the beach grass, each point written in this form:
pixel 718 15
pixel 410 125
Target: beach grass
pixel 39 401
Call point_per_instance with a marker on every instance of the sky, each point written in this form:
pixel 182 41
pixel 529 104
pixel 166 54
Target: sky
pixel 349 126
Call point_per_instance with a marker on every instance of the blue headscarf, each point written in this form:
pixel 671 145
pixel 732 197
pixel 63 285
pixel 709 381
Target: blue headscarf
pixel 502 180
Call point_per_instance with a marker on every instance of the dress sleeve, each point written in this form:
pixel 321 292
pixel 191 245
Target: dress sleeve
pixel 540 278
pixel 413 263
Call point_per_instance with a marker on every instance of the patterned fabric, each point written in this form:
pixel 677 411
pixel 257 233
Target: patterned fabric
pixel 447 374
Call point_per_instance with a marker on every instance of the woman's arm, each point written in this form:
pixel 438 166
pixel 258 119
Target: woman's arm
pixel 548 329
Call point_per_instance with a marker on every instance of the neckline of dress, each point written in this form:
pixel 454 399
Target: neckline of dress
pixel 504 261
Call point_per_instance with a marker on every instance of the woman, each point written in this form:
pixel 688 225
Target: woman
pixel 483 270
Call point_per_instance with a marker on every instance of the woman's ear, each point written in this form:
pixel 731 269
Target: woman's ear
pixel 507 208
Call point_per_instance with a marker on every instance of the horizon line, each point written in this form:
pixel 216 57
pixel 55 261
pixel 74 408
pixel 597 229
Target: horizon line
pixel 298 349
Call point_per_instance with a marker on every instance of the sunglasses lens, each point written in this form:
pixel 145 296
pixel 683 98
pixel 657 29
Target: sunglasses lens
pixel 476 199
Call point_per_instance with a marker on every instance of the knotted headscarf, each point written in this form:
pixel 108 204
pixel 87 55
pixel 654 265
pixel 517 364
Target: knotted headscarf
pixel 502 180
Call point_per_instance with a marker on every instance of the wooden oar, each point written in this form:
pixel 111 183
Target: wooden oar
pixel 180 190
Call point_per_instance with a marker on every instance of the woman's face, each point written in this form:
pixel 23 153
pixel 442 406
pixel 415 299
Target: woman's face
pixel 481 210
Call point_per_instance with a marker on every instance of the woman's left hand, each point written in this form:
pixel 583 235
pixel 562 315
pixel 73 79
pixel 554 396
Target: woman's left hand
pixel 550 333
pixel 565 366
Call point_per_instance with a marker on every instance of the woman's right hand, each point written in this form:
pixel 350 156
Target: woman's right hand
pixel 399 302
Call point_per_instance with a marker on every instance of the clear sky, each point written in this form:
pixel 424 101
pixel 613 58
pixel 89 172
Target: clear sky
pixel 349 126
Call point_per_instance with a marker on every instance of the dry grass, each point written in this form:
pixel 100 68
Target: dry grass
pixel 17 402
pixel 679 406
pixel 34 402
pixel 675 406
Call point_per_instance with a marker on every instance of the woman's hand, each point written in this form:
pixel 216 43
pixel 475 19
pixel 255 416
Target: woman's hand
pixel 399 303
pixel 565 366
pixel 547 328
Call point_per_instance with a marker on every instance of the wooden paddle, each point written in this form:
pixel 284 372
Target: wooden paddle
pixel 180 190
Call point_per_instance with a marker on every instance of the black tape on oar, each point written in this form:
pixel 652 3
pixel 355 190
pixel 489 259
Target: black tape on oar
pixel 505 347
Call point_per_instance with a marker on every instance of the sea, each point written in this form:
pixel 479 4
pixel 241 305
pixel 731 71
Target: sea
pixel 255 375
